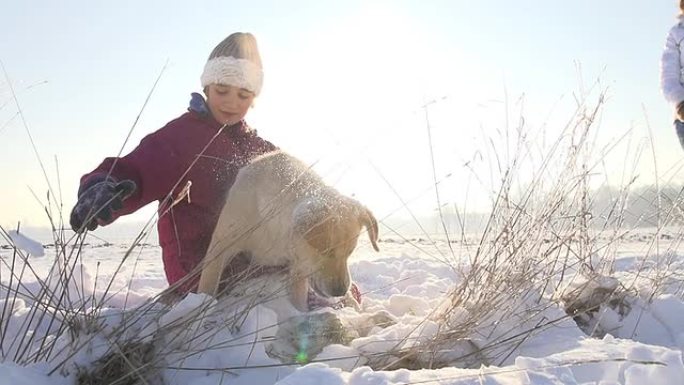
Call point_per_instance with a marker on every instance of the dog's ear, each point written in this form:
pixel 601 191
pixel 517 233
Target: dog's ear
pixel 320 235
pixel 368 220
pixel 312 221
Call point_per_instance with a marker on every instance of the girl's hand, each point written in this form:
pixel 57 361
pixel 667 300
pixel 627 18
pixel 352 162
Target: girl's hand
pixel 96 204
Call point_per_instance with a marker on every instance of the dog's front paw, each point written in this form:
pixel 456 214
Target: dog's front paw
pixel 299 294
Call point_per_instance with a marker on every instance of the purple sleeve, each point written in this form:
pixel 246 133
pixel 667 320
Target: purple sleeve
pixel 154 166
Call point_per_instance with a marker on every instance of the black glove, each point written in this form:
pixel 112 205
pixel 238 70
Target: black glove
pixel 97 203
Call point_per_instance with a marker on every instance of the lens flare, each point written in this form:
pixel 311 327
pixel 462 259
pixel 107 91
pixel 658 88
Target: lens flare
pixel 302 358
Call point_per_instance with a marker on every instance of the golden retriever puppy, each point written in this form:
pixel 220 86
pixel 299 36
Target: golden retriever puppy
pixel 283 214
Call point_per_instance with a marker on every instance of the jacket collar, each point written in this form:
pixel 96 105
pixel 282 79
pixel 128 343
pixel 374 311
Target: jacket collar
pixel 199 106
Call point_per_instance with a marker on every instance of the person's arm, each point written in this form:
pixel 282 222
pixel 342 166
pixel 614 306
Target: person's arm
pixel 671 67
pixel 153 167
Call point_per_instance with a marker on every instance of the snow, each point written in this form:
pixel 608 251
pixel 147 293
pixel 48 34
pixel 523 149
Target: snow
pixel 22 242
pixel 404 293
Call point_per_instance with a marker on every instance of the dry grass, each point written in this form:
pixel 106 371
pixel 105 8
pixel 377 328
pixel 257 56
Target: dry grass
pixel 126 366
pixel 545 246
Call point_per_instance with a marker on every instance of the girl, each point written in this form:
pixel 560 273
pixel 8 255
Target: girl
pixel 671 72
pixel 187 165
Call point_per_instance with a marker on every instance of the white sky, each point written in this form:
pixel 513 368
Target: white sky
pixel 344 85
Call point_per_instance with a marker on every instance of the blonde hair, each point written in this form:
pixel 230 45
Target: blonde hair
pixel 240 45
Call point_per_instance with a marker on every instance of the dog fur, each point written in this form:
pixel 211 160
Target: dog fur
pixel 282 213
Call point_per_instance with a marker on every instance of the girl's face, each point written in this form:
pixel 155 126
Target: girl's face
pixel 228 104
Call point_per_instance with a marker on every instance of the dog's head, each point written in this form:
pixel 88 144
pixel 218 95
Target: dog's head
pixel 328 231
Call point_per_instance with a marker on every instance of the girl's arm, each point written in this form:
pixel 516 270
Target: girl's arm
pixel 671 67
pixel 153 166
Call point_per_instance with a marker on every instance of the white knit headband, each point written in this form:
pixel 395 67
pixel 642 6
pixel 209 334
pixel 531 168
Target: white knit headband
pixel 228 70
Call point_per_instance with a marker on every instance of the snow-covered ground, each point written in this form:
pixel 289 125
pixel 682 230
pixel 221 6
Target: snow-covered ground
pixel 407 284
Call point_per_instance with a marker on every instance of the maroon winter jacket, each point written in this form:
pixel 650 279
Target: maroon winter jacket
pixel 160 162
